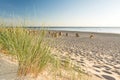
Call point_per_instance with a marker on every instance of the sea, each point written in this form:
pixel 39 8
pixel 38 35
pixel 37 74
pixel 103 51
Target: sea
pixel 84 29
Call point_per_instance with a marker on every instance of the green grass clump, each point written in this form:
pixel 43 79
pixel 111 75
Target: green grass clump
pixel 31 50
pixel 33 54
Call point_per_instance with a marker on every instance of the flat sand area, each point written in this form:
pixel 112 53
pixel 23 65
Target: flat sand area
pixel 98 55
pixel 8 69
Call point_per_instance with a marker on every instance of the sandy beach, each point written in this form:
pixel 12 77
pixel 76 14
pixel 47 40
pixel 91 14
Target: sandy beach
pixel 59 39
pixel 99 55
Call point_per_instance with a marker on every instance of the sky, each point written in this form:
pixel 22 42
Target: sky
pixel 97 13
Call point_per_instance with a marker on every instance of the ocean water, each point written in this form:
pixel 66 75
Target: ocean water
pixel 85 29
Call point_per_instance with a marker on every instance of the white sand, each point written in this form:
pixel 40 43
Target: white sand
pixel 99 56
pixel 8 69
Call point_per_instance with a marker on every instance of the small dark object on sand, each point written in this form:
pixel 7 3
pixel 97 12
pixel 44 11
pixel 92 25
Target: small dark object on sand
pixel 91 36
pixel 52 34
pixel 55 35
pixel 66 34
pixel 60 33
pixel 49 32
pixel 77 35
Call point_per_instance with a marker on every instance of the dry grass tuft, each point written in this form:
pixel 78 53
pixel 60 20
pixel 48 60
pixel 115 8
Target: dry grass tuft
pixel 32 52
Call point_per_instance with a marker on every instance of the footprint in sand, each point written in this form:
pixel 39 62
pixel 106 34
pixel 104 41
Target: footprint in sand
pixel 96 66
pixel 98 76
pixel 106 67
pixel 116 67
pixel 108 77
pixel 96 70
pixel 106 72
pixel 80 61
pixel 117 72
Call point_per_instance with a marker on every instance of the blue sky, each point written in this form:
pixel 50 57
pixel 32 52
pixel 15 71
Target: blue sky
pixel 61 12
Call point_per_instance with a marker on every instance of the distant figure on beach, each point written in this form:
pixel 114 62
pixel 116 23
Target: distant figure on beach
pixel 55 34
pixel 66 34
pixel 60 33
pixel 52 34
pixel 91 36
pixel 49 32
pixel 77 35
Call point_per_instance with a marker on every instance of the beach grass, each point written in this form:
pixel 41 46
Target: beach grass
pixel 32 52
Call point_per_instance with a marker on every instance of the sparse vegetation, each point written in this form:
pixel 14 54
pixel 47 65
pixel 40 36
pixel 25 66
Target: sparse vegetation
pixel 32 52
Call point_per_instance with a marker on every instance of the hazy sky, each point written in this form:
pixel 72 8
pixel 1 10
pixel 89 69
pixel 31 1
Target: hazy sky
pixel 61 12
